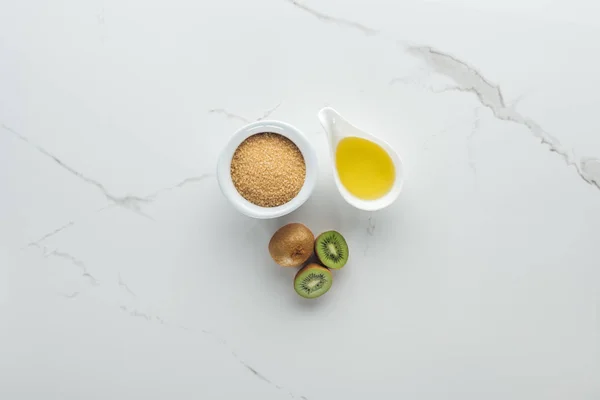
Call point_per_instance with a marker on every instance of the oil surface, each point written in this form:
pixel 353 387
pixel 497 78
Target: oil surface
pixel 365 169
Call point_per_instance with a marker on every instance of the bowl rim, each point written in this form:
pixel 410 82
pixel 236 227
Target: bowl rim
pixel 224 168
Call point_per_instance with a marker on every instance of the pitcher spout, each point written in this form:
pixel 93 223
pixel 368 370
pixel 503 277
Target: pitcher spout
pixel 351 147
pixel 330 121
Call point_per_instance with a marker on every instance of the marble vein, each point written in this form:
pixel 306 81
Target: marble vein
pixel 86 274
pixel 590 167
pixel 255 372
pixel 51 233
pixel 335 20
pixel 370 232
pixel 372 225
pixel 268 112
pixel 74 260
pixel 100 16
pixel 148 199
pixel 138 314
pixel 131 203
pixel 228 114
pixel 187 181
pixel 468 79
pixel 150 318
pixel 262 377
pixel 124 286
pixel 71 258
pixel 470 150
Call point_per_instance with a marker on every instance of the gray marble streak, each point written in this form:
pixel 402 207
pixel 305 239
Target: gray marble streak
pixel 370 232
pixel 470 150
pixel 84 271
pixel 335 20
pixel 268 112
pixel 131 203
pixel 123 285
pixel 256 373
pixel 187 181
pixel 372 226
pixel 148 199
pixel 590 168
pixel 250 368
pixel 95 282
pixel 470 80
pixel 138 314
pixel 263 378
pixel 228 114
pixel 135 313
pixel 51 233
pixel 74 260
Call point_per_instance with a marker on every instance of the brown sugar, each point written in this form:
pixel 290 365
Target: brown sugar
pixel 268 169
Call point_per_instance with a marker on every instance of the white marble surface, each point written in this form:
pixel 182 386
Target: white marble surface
pixel 125 275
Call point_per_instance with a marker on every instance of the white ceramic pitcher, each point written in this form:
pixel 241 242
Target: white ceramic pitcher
pixel 337 128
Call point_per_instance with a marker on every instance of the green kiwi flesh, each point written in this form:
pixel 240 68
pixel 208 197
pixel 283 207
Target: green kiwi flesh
pixel 331 249
pixel 312 281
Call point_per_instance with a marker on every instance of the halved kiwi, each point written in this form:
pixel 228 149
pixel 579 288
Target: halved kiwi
pixel 331 249
pixel 291 245
pixel 312 281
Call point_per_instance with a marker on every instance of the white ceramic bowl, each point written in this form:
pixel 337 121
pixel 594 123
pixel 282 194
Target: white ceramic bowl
pixel 224 169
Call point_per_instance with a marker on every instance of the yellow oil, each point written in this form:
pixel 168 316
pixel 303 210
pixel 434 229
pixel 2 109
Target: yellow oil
pixel 365 169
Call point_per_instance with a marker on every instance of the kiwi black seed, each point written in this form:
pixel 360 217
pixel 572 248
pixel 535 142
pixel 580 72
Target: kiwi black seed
pixel 331 249
pixel 312 281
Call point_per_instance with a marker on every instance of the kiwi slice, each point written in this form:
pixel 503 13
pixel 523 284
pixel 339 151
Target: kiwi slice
pixel 291 245
pixel 312 281
pixel 331 249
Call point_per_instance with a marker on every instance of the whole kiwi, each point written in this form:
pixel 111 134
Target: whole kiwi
pixel 292 245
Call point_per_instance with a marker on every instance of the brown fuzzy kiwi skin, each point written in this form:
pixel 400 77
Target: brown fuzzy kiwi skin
pixel 292 245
